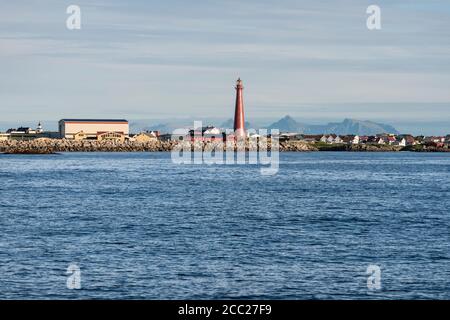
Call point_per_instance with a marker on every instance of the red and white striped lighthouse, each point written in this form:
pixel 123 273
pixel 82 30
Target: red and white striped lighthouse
pixel 239 120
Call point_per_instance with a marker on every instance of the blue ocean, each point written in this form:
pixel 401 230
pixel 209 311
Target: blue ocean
pixel 141 227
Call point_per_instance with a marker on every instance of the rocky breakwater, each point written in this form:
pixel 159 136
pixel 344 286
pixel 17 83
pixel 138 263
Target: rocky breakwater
pixel 49 146
pixel 250 145
pixel 297 146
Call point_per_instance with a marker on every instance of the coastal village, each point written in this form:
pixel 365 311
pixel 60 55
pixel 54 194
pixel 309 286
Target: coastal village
pixel 114 135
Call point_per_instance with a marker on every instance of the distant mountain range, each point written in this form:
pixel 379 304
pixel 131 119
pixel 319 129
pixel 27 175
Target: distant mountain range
pixel 286 124
pixel 289 124
pixel 170 126
pixel 348 126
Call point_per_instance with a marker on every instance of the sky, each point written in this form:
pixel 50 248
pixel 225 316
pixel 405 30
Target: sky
pixel 314 60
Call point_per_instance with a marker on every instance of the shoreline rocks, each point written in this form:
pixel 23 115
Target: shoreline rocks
pixel 49 146
pixel 297 146
pixel 52 146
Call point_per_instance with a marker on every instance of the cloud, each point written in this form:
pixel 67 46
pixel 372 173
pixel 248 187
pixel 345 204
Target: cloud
pixel 153 56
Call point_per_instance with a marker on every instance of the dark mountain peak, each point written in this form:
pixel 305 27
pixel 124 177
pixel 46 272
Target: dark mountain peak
pixel 287 124
pixel 287 118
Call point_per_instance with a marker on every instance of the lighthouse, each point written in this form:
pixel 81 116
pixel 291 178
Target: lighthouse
pixel 39 128
pixel 239 121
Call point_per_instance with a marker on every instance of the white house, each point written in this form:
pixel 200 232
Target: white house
pixel 400 142
pixel 211 130
pixel 338 140
pixel 330 139
pixel 254 135
pixel 355 140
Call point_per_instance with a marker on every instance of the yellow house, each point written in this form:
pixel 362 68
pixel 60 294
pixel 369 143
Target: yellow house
pixel 143 137
pixel 79 136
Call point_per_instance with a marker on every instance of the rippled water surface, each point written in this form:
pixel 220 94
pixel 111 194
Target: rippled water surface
pixel 139 226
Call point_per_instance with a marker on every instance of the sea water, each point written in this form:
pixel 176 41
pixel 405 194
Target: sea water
pixel 141 227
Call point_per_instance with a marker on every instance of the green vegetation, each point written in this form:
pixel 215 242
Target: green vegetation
pixel 417 147
pixel 322 146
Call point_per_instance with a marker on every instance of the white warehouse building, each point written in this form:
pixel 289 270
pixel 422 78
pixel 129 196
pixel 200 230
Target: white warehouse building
pixel 92 128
